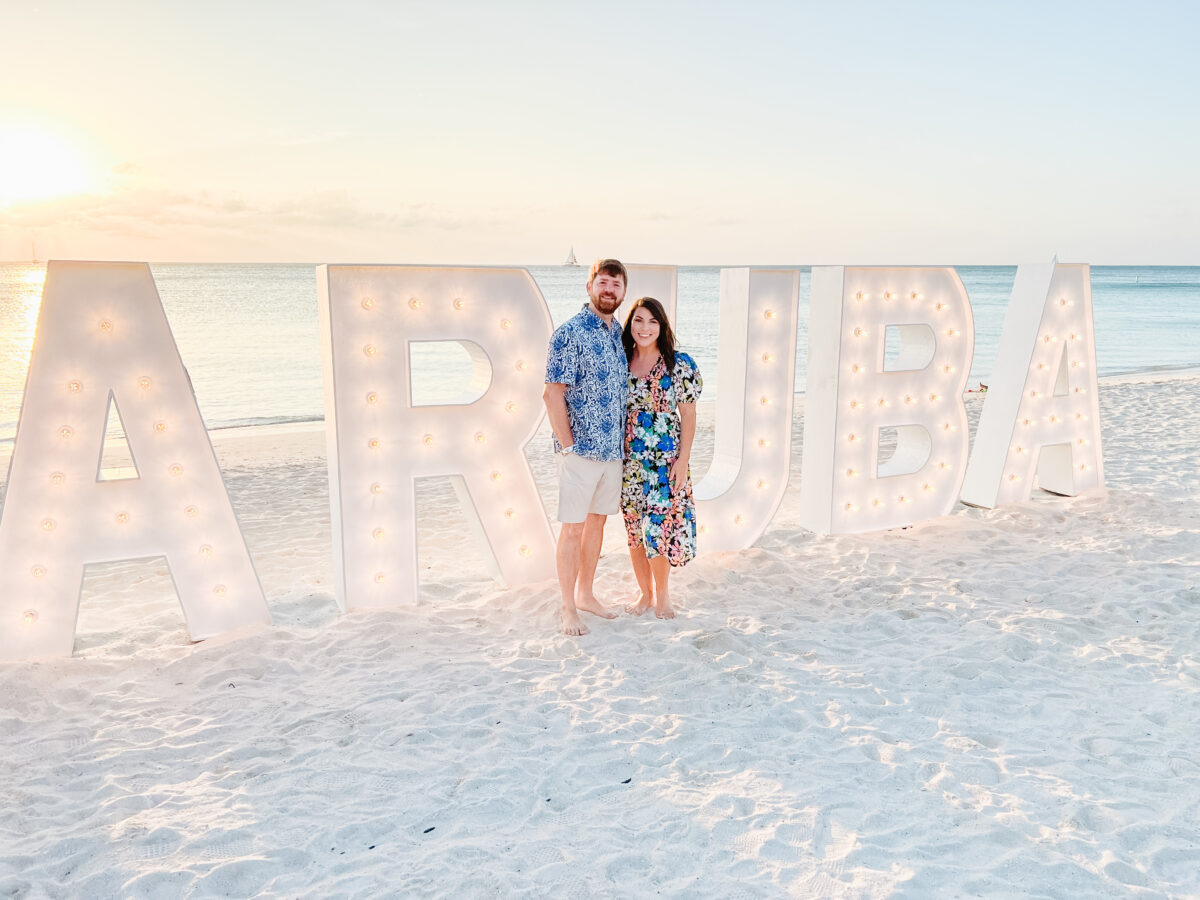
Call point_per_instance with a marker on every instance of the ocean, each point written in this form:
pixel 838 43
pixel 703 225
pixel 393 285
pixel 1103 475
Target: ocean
pixel 249 338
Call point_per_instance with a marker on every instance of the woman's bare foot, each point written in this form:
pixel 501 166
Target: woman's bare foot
pixel 663 608
pixel 643 604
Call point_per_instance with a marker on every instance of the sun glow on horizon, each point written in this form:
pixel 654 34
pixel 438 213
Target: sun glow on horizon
pixel 35 165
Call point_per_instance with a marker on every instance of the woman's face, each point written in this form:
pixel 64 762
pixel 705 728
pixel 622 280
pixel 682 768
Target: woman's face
pixel 644 328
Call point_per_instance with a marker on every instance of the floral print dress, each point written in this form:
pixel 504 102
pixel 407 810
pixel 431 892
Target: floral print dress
pixel 665 524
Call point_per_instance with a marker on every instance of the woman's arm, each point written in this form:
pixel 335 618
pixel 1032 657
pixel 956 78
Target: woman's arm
pixel 687 432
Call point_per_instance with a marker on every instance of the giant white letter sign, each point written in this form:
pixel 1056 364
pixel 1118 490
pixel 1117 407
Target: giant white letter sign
pixel 1042 413
pixel 853 394
pixel 757 369
pixel 103 339
pixel 659 282
pixel 380 443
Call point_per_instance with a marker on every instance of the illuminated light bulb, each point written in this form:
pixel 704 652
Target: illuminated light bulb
pixel 510 513
pixel 948 369
pixel 460 303
pixel 480 437
pixel 368 303
pixel 376 488
pixel 74 386
pixel 763 442
pixel 761 484
pixel 496 476
pixel 106 325
pixel 506 324
pixel 1054 419
pixel 1082 442
pixel 38 571
pixel 1078 390
pixel 1080 417
pixel 144 383
pixel 373 443
pixel 191 511
pixel 704 529
pixel 952 331
pixel 175 469
pixel 1029 422
pixel 856 368
pixel 66 432
pixel 121 517
pixel 160 427
pixel 860 296
pixel 220 590
pixel 522 365
pixel 57 477
pixel 372 397
pixel 1046 339
pixel 853 438
pixel 917 295
pixel 859 332
pixel 851 472
pixel 378 534
pixel 927 487
pixel 940 307
pixel 415 302
pixel 943 465
pixel 888 295
pixel 1014 477
pixel 903 499
pixel 738 520
pixel 768 357
pixel 764 400
pixel 370 350
pixel 1035 394
pixel 908 399
pixel 1083 467
pixel 525 551
pixel 29 616
pixel 770 314
pixel 946 426
pixel 850 507
pixel 1074 337
pixel 205 550
pixel 427 440
pixel 1020 449
pixel 1065 302
pixel 1074 364
pixel 1041 367
pixel 48 524
pixel 380 578
pixel 883 401
pixel 854 404
pixel 877 502
pixel 510 406
pixel 934 398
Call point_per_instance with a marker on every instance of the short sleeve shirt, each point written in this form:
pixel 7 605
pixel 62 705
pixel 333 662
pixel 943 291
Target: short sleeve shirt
pixel 586 355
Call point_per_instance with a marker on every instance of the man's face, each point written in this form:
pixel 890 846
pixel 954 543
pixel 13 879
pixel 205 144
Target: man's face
pixel 607 291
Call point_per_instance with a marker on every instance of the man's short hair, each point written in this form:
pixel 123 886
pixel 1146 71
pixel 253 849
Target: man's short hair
pixel 612 267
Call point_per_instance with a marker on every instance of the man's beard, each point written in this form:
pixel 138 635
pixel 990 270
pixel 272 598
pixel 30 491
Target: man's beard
pixel 607 305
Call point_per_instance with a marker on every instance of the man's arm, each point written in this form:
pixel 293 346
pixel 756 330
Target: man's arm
pixel 555 398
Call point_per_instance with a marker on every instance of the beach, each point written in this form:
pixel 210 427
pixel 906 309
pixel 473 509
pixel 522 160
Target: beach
pixel 994 703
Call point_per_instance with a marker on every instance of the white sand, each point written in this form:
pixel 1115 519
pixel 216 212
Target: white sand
pixel 997 703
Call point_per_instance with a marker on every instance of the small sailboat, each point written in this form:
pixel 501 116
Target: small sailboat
pixel 571 260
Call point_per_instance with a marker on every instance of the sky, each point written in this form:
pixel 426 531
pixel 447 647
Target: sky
pixel 659 132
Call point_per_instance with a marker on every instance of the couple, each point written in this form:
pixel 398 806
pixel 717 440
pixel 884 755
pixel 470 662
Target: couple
pixel 622 404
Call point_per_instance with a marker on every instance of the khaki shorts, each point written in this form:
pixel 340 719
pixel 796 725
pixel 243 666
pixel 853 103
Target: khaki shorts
pixel 587 486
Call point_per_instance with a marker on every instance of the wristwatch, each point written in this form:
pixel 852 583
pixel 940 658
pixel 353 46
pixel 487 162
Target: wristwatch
pixel 566 451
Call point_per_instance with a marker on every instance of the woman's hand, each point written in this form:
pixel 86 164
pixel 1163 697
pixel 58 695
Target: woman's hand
pixel 679 476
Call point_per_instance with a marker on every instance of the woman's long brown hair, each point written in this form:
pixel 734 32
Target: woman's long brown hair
pixel 666 337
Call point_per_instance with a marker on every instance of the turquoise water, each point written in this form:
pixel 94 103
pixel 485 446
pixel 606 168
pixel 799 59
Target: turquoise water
pixel 248 333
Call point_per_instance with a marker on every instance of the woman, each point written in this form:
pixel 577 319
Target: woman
pixel 660 423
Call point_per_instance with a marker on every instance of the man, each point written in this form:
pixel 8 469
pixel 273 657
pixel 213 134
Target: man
pixel 586 384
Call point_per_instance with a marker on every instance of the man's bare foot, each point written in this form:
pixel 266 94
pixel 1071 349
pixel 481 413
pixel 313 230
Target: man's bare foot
pixel 592 605
pixel 571 623
pixel 663 608
pixel 643 604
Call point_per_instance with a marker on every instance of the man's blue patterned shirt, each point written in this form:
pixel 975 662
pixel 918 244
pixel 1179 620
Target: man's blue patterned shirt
pixel 586 355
